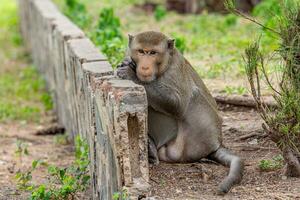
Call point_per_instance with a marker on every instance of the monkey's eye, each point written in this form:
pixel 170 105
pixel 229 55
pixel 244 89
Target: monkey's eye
pixel 141 51
pixel 152 52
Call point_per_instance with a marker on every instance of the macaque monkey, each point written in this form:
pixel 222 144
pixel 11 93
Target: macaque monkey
pixel 183 121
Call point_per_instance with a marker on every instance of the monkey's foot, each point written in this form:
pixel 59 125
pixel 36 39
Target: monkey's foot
pixel 153 161
pixel 152 153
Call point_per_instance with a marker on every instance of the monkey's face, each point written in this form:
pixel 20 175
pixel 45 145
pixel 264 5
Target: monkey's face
pixel 148 61
pixel 150 51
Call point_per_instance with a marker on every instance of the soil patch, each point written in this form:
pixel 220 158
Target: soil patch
pixel 39 147
pixel 168 181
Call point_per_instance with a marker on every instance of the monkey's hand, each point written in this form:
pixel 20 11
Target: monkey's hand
pixel 129 63
pixel 127 70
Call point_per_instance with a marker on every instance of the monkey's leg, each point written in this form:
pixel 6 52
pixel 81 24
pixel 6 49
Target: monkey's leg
pixel 163 155
pixel 174 150
pixel 152 152
pixel 236 165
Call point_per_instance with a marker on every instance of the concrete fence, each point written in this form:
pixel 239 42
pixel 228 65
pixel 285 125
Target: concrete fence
pixel 111 114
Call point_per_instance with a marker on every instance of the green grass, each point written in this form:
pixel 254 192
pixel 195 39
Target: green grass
pixel 235 90
pixel 22 90
pixel 271 164
pixel 9 37
pixel 22 95
pixel 61 139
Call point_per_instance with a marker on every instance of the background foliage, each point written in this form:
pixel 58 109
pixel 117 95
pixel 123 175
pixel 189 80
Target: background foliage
pixel 22 91
pixel 212 42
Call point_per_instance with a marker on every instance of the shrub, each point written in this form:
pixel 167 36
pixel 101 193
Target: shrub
pixel 77 12
pixel 180 43
pixel 230 20
pixel 160 12
pixel 282 124
pixel 108 36
pixel 64 183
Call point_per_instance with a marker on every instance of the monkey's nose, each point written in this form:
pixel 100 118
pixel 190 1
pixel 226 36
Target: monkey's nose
pixel 145 68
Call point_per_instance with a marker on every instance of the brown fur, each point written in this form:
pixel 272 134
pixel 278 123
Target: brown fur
pixel 184 123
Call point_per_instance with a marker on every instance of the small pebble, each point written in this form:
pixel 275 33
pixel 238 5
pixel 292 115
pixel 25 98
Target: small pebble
pixel 178 191
pixel 205 177
pixel 253 142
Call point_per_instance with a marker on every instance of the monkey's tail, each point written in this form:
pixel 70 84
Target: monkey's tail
pixel 225 157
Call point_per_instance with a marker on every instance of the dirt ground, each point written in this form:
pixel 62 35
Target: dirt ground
pixel 39 147
pixel 176 181
pixel 200 180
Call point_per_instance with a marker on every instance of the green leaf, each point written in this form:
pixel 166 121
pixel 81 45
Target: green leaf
pixel 52 169
pixel 62 173
pixel 35 164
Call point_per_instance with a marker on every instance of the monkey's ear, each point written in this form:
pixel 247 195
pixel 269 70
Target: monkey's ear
pixel 171 43
pixel 130 38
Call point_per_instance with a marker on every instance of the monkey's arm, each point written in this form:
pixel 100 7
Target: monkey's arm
pixel 165 99
pixel 161 97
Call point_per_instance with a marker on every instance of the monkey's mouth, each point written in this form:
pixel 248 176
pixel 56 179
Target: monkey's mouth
pixel 146 78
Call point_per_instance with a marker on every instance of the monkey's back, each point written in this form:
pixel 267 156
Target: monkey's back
pixel 203 119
